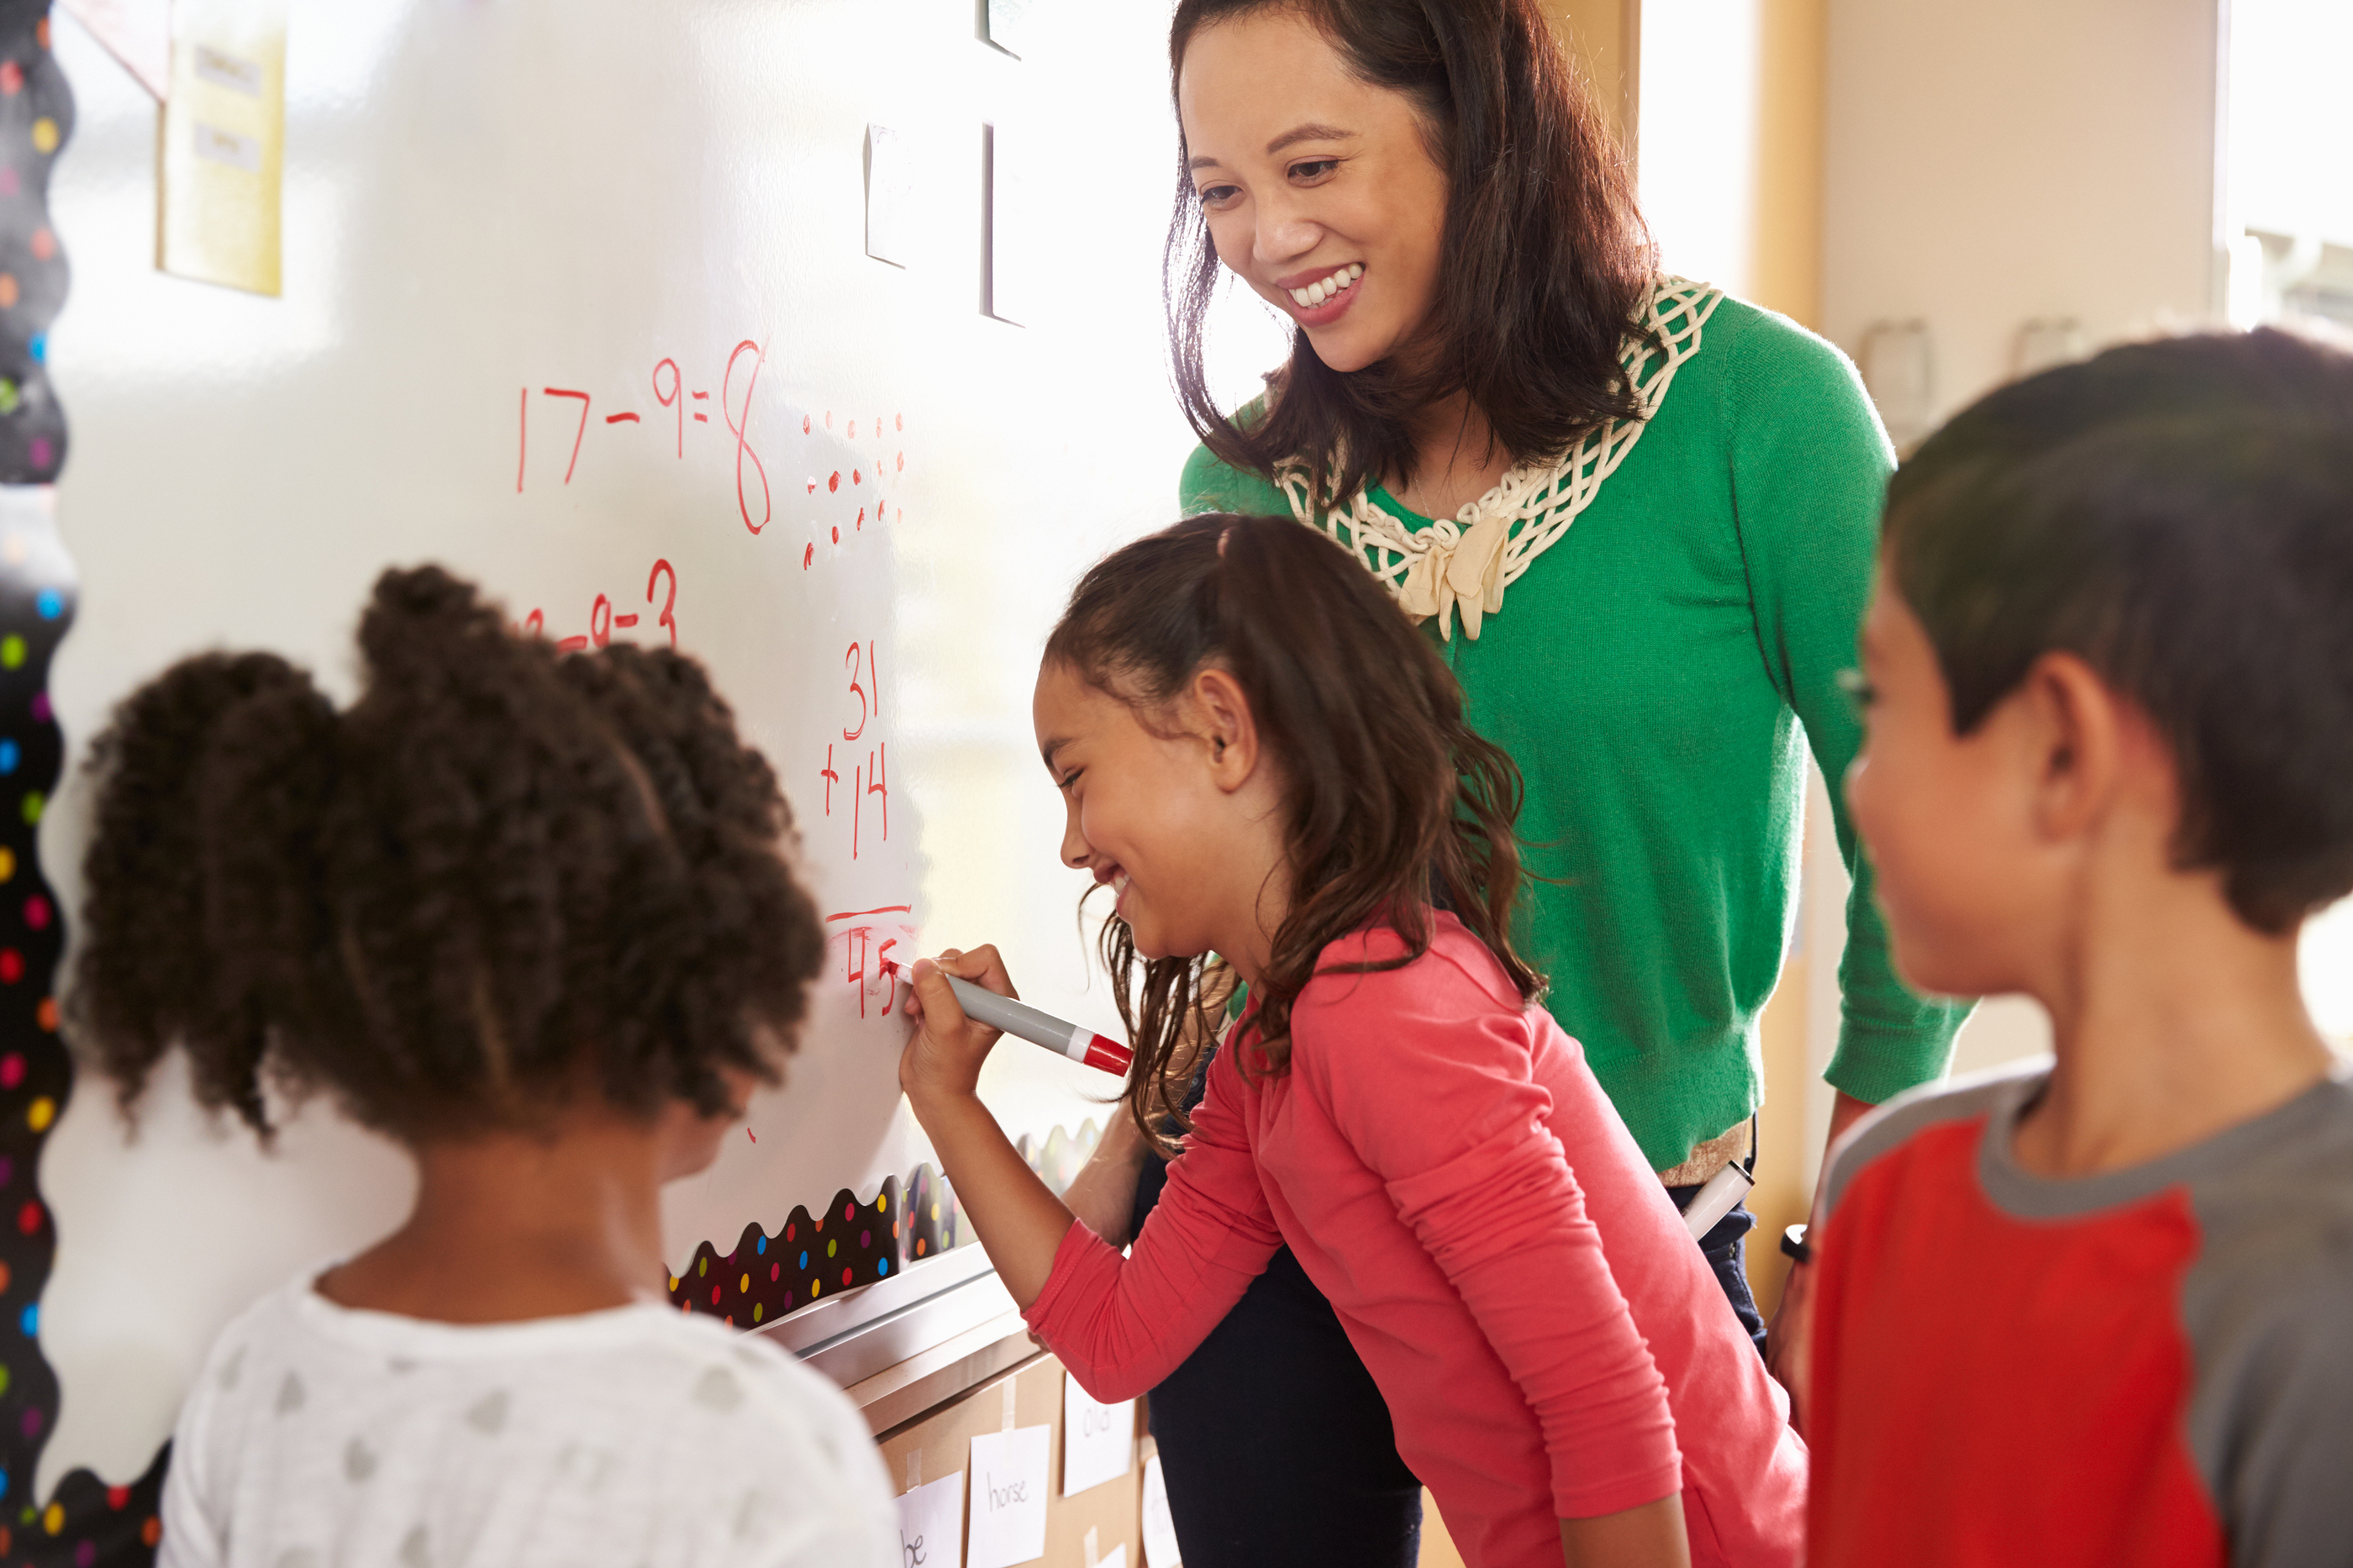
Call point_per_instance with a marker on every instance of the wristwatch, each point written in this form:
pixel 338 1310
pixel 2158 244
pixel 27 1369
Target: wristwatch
pixel 1793 1242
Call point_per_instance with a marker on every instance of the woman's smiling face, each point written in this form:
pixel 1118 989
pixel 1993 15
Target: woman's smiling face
pixel 1320 189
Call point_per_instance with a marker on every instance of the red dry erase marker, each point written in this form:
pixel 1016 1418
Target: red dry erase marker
pixel 1040 1028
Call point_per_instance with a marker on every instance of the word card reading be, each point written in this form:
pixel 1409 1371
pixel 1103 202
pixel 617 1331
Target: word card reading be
pixel 931 1524
pixel 1009 1497
pixel 1098 1440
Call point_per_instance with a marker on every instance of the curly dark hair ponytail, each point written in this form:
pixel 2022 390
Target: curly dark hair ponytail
pixel 502 877
pixel 1393 802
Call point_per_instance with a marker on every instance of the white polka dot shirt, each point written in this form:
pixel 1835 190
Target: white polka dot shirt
pixel 322 1437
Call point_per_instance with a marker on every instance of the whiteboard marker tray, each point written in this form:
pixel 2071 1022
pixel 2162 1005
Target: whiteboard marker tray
pixel 854 1335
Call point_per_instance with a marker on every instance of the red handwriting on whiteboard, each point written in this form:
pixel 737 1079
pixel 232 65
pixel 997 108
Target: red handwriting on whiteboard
pixel 739 382
pixel 740 423
pixel 671 392
pixel 605 619
pixel 869 954
pixel 870 777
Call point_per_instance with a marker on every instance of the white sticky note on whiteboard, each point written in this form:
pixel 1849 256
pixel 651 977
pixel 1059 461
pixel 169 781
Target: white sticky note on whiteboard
pixel 1018 261
pixel 1013 25
pixel 1009 1498
pixel 1098 1440
pixel 1159 1526
pixel 931 1524
pixel 890 195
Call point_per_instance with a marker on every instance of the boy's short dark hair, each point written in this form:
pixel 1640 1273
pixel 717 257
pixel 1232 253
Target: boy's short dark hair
pixel 2179 515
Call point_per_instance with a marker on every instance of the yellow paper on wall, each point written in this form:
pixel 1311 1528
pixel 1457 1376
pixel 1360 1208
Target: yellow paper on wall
pixel 224 144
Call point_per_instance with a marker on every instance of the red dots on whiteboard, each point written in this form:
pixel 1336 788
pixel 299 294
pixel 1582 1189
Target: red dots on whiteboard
pixel 903 462
pixel 853 429
pixel 861 517
pixel 808 555
pixel 805 424
pixel 833 481
pixel 837 536
pixel 855 477
pixel 812 484
pixel 899 421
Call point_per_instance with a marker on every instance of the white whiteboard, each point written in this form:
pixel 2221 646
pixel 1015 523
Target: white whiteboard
pixel 485 201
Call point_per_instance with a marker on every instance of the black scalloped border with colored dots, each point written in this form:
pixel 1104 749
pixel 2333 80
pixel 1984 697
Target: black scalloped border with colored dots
pixel 85 1523
pixel 847 1243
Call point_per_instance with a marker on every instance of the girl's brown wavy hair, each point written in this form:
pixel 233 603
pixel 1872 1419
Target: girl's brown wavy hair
pixel 1394 804
pixel 1546 255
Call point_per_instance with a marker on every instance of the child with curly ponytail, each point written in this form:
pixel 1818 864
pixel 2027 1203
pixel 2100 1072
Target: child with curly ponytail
pixel 1264 759
pixel 529 915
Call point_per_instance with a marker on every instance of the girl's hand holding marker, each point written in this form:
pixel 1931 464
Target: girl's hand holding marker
pixel 943 1057
pixel 1018 1215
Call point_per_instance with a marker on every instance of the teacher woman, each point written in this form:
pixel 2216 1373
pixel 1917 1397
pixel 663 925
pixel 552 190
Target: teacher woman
pixel 1640 516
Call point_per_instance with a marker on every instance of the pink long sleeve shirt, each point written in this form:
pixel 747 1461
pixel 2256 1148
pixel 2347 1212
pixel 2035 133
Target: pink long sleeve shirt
pixel 1449 1173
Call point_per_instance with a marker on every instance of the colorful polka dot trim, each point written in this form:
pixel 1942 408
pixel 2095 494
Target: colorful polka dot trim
pixel 849 1244
pixel 84 1521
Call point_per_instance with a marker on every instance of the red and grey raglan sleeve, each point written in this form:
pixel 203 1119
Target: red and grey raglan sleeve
pixel 2271 1423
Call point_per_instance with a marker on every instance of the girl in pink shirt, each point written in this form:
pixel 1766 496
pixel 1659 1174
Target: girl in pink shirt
pixel 1265 761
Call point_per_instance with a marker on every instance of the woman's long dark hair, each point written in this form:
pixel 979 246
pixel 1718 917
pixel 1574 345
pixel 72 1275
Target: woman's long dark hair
pixel 1546 260
pixel 1390 798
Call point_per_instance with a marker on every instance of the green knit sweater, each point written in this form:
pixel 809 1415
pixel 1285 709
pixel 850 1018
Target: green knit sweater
pixel 1657 675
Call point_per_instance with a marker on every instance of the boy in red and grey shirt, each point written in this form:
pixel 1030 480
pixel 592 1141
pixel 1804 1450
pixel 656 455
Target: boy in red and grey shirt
pixel 2100 1309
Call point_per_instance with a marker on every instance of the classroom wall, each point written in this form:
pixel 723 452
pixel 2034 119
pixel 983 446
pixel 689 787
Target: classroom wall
pixel 1603 37
pixel 2010 161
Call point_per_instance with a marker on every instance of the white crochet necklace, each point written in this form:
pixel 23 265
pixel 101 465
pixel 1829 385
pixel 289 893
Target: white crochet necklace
pixel 1468 560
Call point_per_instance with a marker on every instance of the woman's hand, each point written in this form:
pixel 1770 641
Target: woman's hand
pixel 1102 1194
pixel 1789 1341
pixel 943 1057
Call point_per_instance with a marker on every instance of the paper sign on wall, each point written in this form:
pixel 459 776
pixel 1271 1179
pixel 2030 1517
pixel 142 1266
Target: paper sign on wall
pixel 931 1524
pixel 1159 1527
pixel 1018 265
pixel 1009 1498
pixel 890 195
pixel 224 144
pixel 1013 23
pixel 1098 1440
